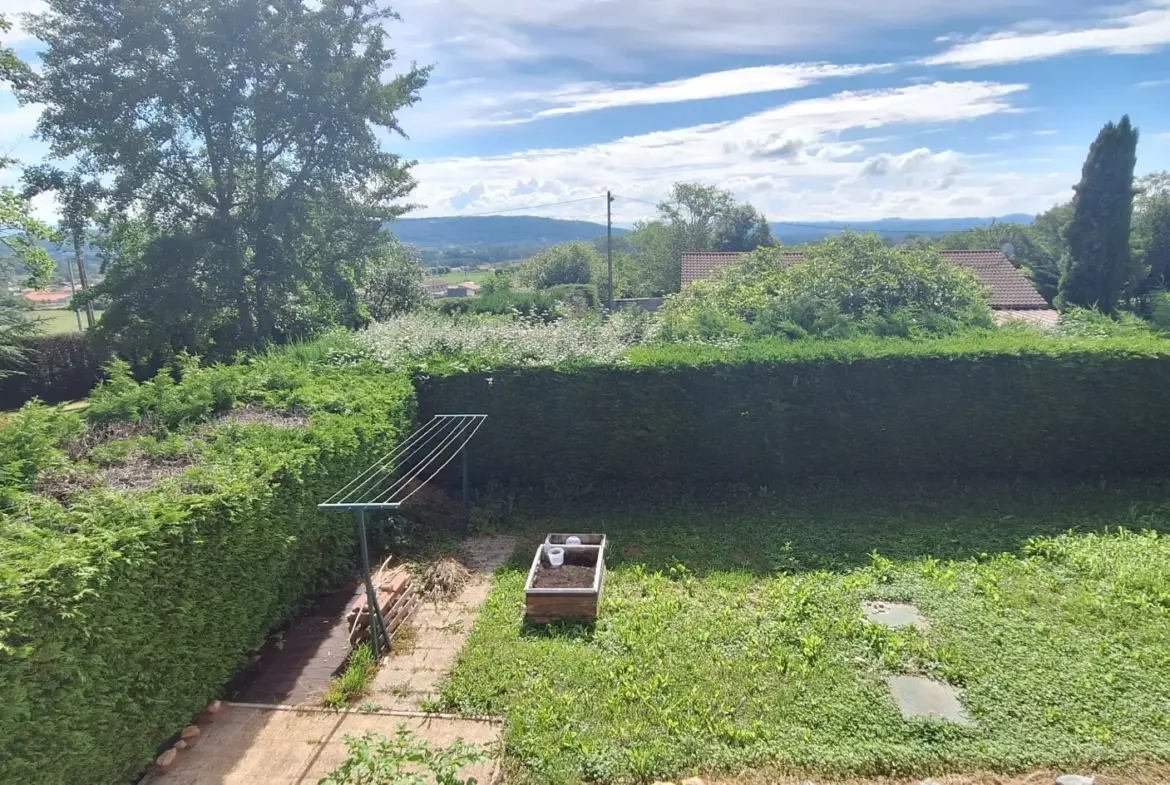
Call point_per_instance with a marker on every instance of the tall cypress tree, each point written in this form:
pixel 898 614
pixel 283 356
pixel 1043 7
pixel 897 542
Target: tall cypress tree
pixel 1098 262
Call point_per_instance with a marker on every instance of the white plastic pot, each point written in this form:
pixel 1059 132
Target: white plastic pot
pixel 556 556
pixel 573 541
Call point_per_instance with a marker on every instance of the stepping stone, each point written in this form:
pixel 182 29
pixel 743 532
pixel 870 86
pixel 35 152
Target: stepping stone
pixel 918 696
pixel 894 614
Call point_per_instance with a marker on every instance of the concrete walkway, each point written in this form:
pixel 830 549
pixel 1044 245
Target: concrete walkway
pixel 287 745
pixel 256 746
pixel 407 681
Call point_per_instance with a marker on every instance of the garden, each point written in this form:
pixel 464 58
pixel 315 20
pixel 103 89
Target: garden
pixel 731 636
pixel 816 519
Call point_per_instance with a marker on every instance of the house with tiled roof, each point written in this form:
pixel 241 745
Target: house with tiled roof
pixel 1012 297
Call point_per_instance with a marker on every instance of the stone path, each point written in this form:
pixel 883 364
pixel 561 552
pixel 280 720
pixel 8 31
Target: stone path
pixel 297 665
pixel 282 745
pixel 265 746
pixel 916 696
pixel 407 681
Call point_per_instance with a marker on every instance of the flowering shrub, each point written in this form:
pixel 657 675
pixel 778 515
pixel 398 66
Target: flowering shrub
pixel 425 340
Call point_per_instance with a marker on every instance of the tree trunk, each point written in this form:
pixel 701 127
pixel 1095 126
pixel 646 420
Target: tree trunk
pixel 82 278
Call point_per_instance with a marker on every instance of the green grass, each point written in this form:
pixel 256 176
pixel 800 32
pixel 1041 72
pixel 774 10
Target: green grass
pixel 355 681
pixel 730 636
pixel 475 276
pixel 55 321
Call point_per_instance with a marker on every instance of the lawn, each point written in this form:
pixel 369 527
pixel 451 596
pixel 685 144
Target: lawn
pixel 730 636
pixel 475 276
pixel 56 320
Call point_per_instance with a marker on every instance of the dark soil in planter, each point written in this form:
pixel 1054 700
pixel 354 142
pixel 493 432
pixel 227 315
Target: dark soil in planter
pixel 567 576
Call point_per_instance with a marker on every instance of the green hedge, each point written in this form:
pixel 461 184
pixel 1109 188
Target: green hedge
pixel 55 368
pixel 122 614
pixel 1002 404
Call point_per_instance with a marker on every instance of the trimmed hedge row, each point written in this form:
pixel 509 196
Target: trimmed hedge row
pixel 760 414
pixel 56 368
pixel 122 614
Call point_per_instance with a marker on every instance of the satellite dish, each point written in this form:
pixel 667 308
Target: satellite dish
pixel 1009 250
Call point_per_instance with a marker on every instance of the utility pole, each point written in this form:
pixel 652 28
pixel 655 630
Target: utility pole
pixel 77 236
pixel 609 244
pixel 73 293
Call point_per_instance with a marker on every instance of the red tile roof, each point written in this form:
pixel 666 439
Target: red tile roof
pixel 1010 290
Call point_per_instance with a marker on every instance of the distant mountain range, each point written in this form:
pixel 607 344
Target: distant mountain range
pixel 494 230
pixel 529 230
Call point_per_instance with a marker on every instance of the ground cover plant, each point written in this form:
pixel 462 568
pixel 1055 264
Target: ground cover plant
pixel 730 635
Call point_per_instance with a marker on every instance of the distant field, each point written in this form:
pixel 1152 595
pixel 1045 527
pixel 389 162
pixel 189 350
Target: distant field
pixel 56 321
pixel 475 276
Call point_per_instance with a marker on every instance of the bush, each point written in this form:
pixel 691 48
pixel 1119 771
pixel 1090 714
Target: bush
pixel 538 306
pixel 55 368
pixel 432 342
pixel 999 403
pixel 122 614
pixel 573 262
pixel 576 296
pixel 848 285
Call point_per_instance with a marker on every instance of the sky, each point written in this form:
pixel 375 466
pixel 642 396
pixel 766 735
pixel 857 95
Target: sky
pixel 827 110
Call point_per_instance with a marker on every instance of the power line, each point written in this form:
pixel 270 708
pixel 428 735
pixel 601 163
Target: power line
pixel 821 226
pixel 530 207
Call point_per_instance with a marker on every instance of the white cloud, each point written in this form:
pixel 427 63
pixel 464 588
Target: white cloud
pixel 576 99
pixel 17 124
pixel 615 35
pixel 13 10
pixel 788 160
pixel 1152 83
pixel 1046 132
pixel 1134 33
pixel 1005 137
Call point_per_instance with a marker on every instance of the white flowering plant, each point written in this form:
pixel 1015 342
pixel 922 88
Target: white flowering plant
pixel 429 341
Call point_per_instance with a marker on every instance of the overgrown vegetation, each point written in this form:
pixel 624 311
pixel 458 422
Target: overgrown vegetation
pixel 355 680
pixel 731 635
pixel 153 541
pixel 372 759
pixel 846 286
pixel 434 342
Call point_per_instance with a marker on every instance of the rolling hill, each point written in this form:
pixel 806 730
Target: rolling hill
pixel 494 230
pixel 530 230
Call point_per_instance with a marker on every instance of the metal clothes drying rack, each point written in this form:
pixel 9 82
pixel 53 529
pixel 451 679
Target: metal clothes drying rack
pixel 394 478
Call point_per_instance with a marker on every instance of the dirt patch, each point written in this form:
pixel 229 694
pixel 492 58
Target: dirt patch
pixel 444 579
pixel 142 472
pixel 567 576
pixel 100 434
pixel 63 485
pixel 257 415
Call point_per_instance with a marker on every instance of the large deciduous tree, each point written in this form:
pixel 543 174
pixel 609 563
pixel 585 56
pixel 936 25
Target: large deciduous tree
pixel 1151 231
pixel 22 259
pixel 243 139
pixel 1099 264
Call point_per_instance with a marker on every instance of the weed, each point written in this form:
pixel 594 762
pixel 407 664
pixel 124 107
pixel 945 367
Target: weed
pixel 403 760
pixel 359 673
pixel 404 640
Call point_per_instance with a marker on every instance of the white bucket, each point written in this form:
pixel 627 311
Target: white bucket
pixel 573 541
pixel 556 556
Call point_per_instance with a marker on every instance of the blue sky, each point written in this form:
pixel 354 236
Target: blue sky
pixel 809 109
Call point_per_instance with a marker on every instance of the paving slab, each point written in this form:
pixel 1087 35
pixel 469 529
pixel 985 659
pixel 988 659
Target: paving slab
pixel 410 680
pixel 894 614
pixel 918 696
pixel 268 746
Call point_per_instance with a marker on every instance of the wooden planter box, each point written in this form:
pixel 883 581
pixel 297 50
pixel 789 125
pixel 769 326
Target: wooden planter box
pixel 543 606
